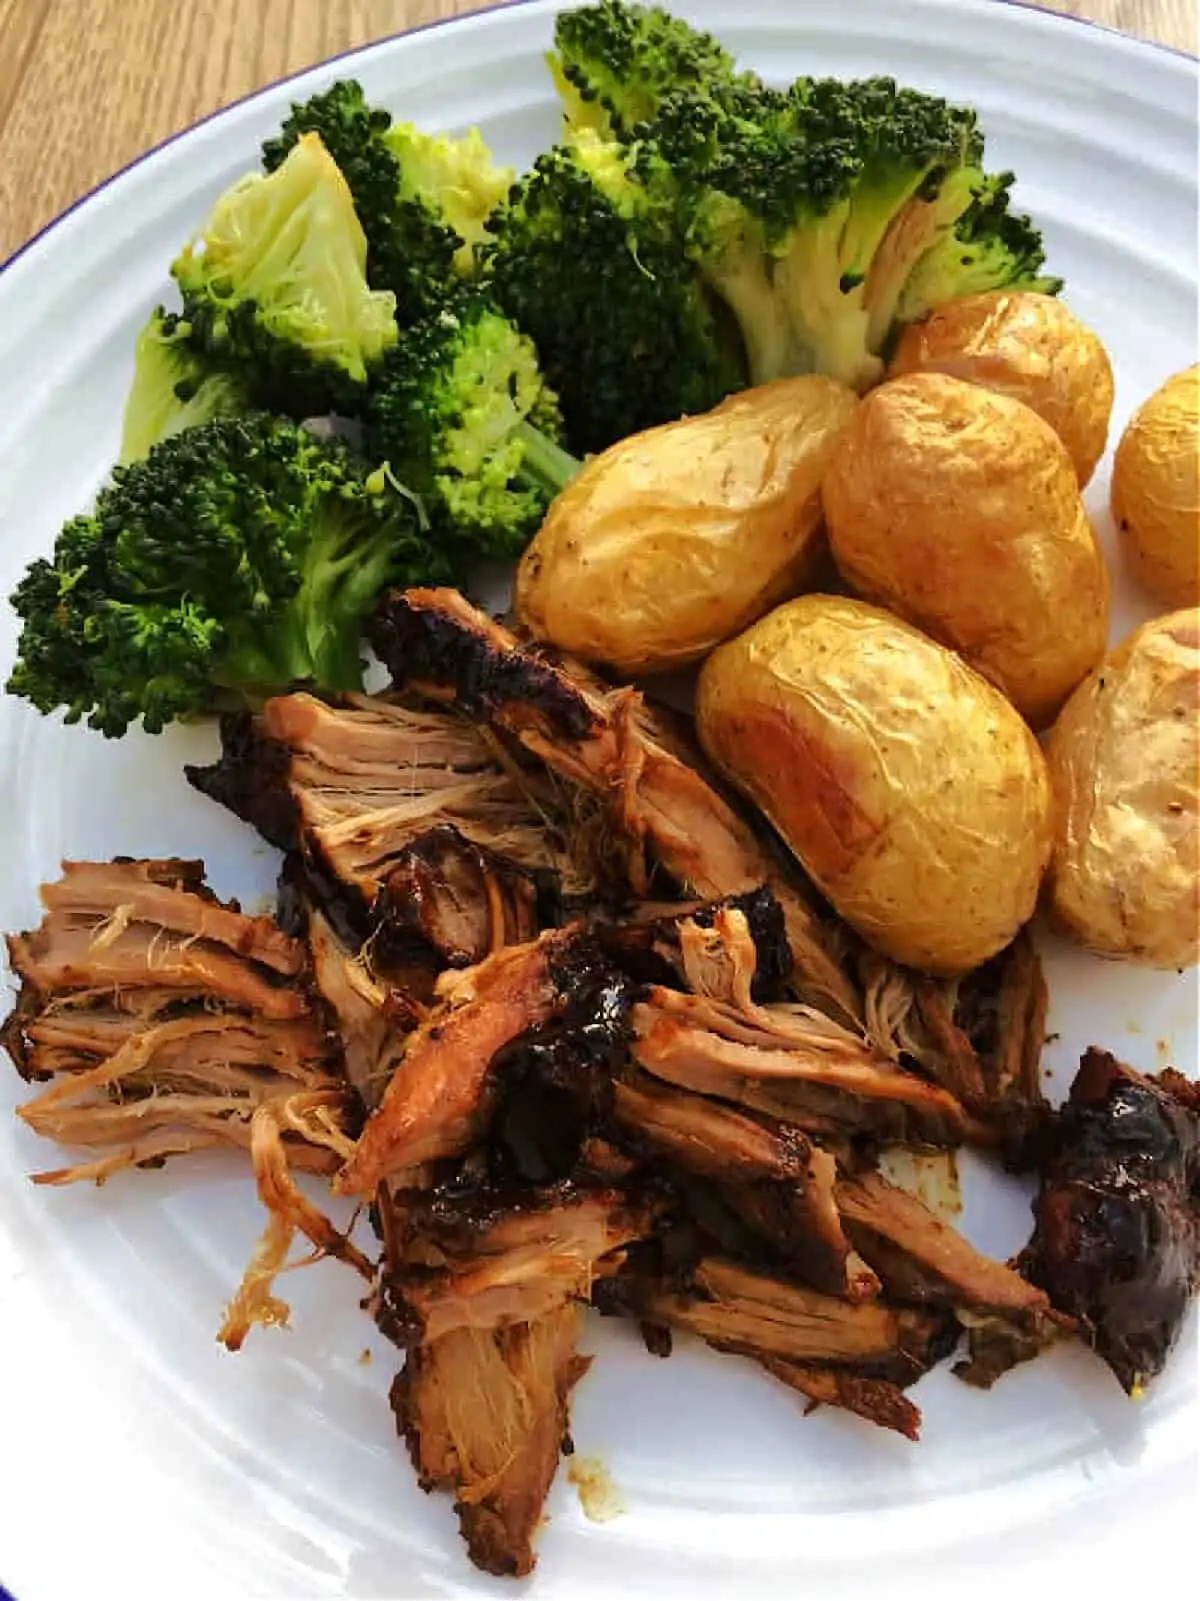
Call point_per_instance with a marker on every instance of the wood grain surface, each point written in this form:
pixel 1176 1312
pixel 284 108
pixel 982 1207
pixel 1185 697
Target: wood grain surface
pixel 86 85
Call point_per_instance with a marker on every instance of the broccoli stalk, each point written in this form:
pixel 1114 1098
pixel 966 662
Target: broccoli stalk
pixel 423 199
pixel 275 291
pixel 173 387
pixel 465 422
pixel 239 558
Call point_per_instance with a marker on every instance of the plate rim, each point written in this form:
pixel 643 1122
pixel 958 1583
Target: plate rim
pixel 1056 1555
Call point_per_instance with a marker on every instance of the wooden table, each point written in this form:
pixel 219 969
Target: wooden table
pixel 85 85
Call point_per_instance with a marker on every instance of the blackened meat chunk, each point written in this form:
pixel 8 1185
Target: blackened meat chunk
pixel 1116 1241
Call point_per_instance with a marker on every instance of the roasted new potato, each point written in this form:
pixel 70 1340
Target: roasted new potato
pixel 1156 491
pixel 1027 346
pixel 1124 760
pixel 958 509
pixel 676 538
pixel 909 788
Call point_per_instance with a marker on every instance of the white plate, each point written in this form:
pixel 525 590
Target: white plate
pixel 136 1456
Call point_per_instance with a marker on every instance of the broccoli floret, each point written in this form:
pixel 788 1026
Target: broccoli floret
pixel 275 291
pixel 174 387
pixel 239 558
pixel 463 420
pixel 590 264
pixel 990 247
pixel 457 179
pixel 808 210
pixel 423 200
pixel 614 63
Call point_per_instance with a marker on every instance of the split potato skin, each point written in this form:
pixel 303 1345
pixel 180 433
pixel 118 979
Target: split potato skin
pixel 1030 347
pixel 1124 760
pixel 674 539
pixel 958 509
pixel 1156 491
pixel 908 787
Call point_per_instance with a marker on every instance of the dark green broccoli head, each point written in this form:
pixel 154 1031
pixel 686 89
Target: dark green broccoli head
pixel 614 64
pixel 275 291
pixel 592 265
pixel 464 421
pixel 174 386
pixel 238 558
pixel 807 210
pixel 422 199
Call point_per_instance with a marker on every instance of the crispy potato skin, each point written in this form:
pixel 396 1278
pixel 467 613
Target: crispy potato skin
pixel 908 787
pixel 674 539
pixel 958 509
pixel 1027 346
pixel 1124 760
pixel 1156 491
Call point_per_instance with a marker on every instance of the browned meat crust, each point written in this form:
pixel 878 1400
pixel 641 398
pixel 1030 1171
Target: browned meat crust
pixel 511 1260
pixel 738 1309
pixel 1116 1241
pixel 773 1177
pixel 484 1412
pixel 877 1400
pixel 454 897
pixel 436 1107
pixel 605 741
pixel 723 949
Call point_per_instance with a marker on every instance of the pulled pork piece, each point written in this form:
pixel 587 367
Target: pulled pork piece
pixel 792 1064
pixel 352 783
pixel 446 902
pixel 446 1092
pixel 739 1310
pixel 373 1015
pixel 1116 1242
pixel 924 1262
pixel 609 744
pixel 445 893
pixel 152 925
pixel 717 948
pixel 504 1259
pixel 484 1413
pixel 312 1117
pixel 877 1400
pixel 168 1022
pixel 126 891
pixel 980 1036
pixel 769 1174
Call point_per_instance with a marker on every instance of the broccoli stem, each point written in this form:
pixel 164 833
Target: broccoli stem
pixel 545 465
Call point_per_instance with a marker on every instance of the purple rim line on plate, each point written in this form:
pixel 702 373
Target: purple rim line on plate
pixel 1092 22
pixel 1132 40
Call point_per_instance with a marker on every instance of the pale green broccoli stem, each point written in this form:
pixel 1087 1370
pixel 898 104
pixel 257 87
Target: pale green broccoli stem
pixel 916 230
pixel 828 317
pixel 544 464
